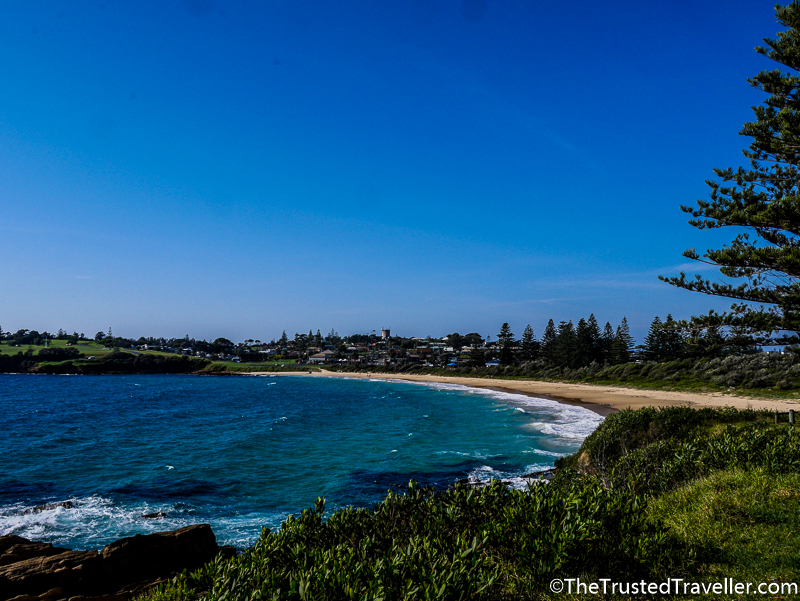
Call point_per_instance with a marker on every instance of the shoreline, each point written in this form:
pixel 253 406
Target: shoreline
pixel 600 399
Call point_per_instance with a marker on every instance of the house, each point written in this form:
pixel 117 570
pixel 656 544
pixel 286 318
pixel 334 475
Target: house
pixel 323 357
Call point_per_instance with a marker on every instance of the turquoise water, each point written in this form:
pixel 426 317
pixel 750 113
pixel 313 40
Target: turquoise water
pixel 241 453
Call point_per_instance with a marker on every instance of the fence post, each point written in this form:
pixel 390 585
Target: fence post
pixel 791 416
pixel 776 417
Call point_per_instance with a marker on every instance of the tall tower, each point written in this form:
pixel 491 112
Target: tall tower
pixel 385 333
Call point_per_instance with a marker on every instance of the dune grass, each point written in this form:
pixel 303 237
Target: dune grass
pixel 745 524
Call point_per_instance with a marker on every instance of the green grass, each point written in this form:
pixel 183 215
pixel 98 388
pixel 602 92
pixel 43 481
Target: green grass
pixel 87 348
pixel 745 523
pixel 230 366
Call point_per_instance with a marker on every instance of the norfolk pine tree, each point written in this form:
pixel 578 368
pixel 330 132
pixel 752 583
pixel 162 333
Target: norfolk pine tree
pixel 623 343
pixel 588 339
pixel 765 200
pixel 565 345
pixel 548 343
pixel 506 340
pixel 597 340
pixel 584 344
pixel 606 342
pixel 674 340
pixel 654 342
pixel 529 344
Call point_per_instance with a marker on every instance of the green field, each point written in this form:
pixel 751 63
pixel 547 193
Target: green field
pixel 87 348
pixel 230 366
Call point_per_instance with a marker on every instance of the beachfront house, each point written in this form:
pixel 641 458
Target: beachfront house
pixel 323 357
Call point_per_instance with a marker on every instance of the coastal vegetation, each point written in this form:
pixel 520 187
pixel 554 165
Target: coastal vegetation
pixel 652 494
pixel 760 374
pixel 218 367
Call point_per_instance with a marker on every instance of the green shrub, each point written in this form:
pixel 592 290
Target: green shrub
pixel 656 450
pixel 457 544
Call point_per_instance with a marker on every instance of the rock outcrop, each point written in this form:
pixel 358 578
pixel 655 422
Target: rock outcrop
pixel 31 571
pixel 16 548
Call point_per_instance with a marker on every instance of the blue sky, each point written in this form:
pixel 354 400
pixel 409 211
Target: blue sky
pixel 240 168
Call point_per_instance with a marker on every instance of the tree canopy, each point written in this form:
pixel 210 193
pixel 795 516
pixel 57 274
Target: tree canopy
pixel 506 340
pixel 762 263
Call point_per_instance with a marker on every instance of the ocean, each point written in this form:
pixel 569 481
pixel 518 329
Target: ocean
pixel 85 458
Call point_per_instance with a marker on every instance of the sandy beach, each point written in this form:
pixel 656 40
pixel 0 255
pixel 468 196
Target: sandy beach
pixel 602 399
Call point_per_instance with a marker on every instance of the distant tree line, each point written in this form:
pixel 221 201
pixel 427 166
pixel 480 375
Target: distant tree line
pixel 35 338
pixel 565 346
pixel 572 347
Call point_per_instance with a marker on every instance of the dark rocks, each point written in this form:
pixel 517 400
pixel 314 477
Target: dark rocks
pixel 48 507
pixel 154 516
pixel 71 570
pixel 122 570
pixel 143 558
pixel 544 475
pixel 23 549
pixel 9 541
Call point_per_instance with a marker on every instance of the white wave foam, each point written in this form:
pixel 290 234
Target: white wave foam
pixel 569 423
pixel 482 475
pixel 521 483
pixel 95 520
pixel 463 454
pixel 544 452
pixel 485 474
pixel 242 531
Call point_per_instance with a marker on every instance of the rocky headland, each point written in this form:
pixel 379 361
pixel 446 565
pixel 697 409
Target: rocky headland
pixel 34 571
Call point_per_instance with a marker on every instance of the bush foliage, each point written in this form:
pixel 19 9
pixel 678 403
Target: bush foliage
pixel 657 450
pixel 752 372
pixel 461 543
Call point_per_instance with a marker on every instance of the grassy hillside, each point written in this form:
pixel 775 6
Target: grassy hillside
pixel 86 348
pixel 91 357
pixel 56 360
pixel 282 366
pixel 652 494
